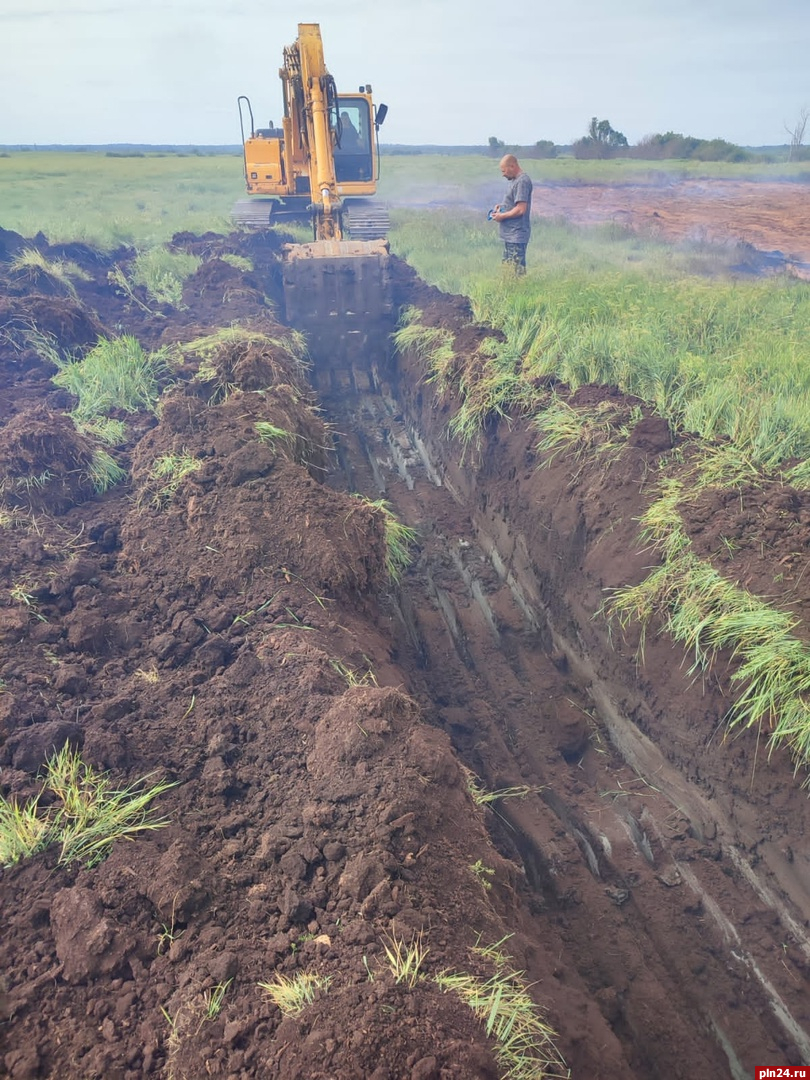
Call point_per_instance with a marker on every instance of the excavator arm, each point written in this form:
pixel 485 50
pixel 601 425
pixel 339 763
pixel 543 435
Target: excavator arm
pixel 312 107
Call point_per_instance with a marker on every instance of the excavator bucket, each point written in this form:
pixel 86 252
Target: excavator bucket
pixel 339 293
pixel 337 279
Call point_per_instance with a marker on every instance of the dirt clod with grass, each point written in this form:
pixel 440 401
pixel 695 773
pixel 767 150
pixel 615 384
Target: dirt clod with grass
pixel 413 820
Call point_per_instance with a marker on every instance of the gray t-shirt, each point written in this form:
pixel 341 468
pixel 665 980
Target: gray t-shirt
pixel 517 230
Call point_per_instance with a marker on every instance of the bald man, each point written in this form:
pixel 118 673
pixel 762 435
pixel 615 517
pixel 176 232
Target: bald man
pixel 514 214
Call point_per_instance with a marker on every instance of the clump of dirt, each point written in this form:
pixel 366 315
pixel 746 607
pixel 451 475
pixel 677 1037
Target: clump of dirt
pixel 462 762
pixel 45 463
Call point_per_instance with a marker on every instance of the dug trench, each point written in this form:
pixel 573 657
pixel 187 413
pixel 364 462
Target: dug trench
pixel 338 739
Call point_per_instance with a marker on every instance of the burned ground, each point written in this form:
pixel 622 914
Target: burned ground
pixel 240 637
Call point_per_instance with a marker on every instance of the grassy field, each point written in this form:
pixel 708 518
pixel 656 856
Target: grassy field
pixel 108 200
pixel 717 355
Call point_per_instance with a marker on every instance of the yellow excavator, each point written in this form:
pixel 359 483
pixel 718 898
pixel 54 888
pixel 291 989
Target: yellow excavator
pixel 321 165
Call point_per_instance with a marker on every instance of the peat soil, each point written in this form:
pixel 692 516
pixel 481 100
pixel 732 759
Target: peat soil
pixel 326 726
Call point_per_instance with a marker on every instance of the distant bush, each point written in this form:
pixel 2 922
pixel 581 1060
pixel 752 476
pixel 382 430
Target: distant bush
pixel 543 148
pixel 686 147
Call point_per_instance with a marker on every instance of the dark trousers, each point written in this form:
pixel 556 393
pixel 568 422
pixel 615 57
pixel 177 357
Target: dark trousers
pixel 515 255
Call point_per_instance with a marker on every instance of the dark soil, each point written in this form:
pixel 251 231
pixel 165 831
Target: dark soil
pixel 243 640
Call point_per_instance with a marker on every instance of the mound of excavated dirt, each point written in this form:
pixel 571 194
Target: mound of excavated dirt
pixel 234 632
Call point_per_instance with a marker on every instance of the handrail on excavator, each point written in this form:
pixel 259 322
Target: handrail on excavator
pixel 239 100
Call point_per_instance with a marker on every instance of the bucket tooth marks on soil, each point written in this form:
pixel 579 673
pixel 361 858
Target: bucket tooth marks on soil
pixel 234 630
pixel 539 718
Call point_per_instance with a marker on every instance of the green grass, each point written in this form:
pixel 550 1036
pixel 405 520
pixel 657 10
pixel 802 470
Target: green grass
pixel 292 993
pixel 399 538
pixel 32 264
pixel 525 1046
pixel 109 201
pixel 86 819
pixel 724 358
pixel 405 960
pixel 234 336
pixel 167 474
pixel 710 616
pixel 213 999
pixel 602 429
pixel 106 429
pixel 162 273
pixel 104 471
pixel 271 433
pixel 116 374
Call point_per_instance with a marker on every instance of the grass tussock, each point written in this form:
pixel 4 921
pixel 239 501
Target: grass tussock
pixel 484 385
pixel 525 1046
pixel 432 345
pixel 167 473
pixel 599 429
pixel 117 373
pixel 292 343
pixel 104 472
pixel 406 960
pixel 710 616
pixel 292 993
pixel 399 538
pixel 106 429
pixel 238 358
pixel 271 434
pixel 32 264
pixel 86 818
pixel 162 273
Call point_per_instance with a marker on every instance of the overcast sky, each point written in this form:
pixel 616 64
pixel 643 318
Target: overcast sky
pixel 451 72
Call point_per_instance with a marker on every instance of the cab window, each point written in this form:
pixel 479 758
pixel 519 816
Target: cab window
pixel 353 140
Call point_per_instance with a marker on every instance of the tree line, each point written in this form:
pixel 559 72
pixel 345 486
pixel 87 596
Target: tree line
pixel 602 140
